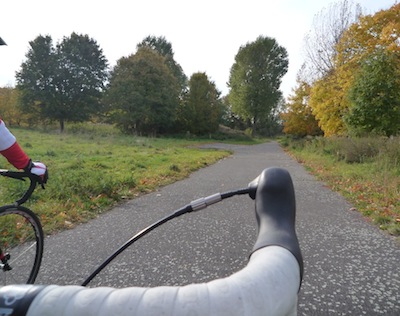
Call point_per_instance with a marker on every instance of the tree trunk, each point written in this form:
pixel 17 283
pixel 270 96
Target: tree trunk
pixel 254 126
pixel 62 125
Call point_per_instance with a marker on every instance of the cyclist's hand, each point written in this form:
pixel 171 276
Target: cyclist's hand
pixel 39 169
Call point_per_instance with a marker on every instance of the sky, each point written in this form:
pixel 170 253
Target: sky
pixel 205 35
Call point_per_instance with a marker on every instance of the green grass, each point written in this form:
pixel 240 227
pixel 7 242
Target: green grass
pixel 92 170
pixel 365 171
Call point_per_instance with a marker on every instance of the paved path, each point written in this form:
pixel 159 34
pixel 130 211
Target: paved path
pixel 351 268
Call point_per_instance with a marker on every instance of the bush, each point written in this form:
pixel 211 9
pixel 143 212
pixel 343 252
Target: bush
pixel 350 149
pixel 358 150
pixel 391 150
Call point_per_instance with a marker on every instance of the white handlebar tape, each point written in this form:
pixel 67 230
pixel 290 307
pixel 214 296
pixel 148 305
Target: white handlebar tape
pixel 268 285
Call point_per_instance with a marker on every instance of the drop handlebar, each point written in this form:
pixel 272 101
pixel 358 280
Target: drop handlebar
pixel 268 285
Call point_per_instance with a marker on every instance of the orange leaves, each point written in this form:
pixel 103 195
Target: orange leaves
pixel 371 197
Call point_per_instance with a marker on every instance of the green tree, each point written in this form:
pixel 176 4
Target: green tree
pixel 164 48
pixel 255 79
pixel 375 96
pixel 143 95
pixel 35 80
pixel 202 107
pixel 64 83
pixel 229 118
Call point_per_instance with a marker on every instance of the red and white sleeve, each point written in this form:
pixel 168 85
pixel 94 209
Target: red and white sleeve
pixel 10 149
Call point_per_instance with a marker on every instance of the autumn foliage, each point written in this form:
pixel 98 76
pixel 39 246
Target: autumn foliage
pixel 298 118
pixel 349 90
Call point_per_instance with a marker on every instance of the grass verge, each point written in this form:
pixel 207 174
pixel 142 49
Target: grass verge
pixel 365 171
pixel 91 171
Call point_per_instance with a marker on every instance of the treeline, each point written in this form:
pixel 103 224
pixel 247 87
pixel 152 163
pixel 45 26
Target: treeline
pixel 350 82
pixel 147 92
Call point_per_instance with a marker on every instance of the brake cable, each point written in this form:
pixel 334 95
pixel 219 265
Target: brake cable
pixel 193 206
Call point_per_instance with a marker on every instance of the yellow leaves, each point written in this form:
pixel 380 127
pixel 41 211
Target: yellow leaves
pixel 372 32
pixel 299 119
pixel 329 95
pixel 389 23
pixel 328 102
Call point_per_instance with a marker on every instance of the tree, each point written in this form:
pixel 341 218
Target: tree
pixel 320 43
pixel 329 104
pixel 368 35
pixel 298 118
pixel 375 96
pixel 329 95
pixel 8 107
pixel 229 118
pixel 164 48
pixel 64 83
pixel 202 107
pixel 36 79
pixel 143 94
pixel 255 79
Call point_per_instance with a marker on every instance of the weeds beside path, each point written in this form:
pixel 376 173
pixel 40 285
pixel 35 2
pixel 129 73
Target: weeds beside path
pixel 365 171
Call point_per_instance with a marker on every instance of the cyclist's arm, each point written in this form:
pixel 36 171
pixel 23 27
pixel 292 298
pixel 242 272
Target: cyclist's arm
pixel 10 148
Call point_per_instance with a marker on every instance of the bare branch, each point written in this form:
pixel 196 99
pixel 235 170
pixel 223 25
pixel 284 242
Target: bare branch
pixel 328 28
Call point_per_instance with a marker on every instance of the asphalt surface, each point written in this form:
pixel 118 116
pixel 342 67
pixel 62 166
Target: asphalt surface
pixel 351 267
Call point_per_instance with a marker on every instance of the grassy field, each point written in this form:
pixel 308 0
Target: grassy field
pixel 92 169
pixel 366 171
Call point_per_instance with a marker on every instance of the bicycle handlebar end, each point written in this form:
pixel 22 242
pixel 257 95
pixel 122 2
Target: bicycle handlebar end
pixel 21 175
pixel 276 212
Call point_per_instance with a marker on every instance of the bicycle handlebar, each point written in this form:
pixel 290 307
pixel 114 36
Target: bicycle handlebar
pixel 268 284
pixel 21 175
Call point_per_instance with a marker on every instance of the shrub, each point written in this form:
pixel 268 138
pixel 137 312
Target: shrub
pixel 358 150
